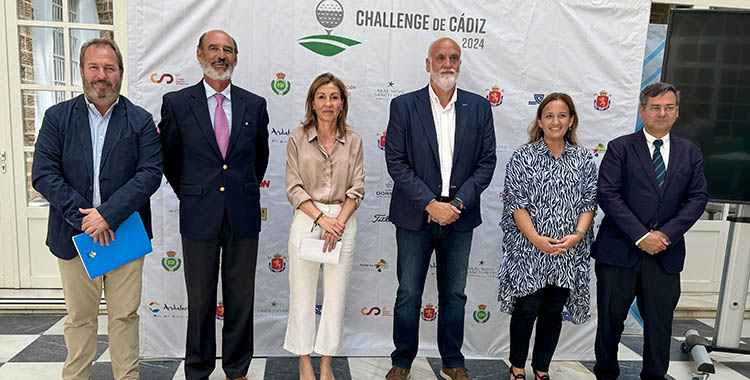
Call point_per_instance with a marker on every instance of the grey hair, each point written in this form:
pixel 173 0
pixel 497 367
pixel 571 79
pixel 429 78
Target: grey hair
pixel 656 89
pixel 102 41
pixel 200 41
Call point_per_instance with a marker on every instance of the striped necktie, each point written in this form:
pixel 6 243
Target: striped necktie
pixel 659 167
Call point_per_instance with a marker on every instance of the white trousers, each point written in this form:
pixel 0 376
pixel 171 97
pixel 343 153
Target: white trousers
pixel 301 337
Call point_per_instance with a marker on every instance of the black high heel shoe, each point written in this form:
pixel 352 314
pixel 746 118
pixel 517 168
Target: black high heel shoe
pixel 517 377
pixel 542 377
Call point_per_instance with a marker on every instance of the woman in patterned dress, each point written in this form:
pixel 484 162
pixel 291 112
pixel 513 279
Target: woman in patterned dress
pixel 549 202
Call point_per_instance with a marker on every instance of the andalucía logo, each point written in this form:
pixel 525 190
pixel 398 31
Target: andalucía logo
pixel 602 100
pixel 220 311
pixel 429 313
pixel 171 263
pixel 495 95
pixel 280 85
pixel 329 13
pixel 154 307
pixel 481 315
pixel 381 140
pixel 277 263
pixel 599 148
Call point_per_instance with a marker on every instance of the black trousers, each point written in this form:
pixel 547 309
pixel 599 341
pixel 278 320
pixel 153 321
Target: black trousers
pixel 238 259
pixel 544 306
pixel 657 294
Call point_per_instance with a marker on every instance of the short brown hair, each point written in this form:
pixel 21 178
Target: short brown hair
pixel 102 41
pixel 311 119
pixel 535 131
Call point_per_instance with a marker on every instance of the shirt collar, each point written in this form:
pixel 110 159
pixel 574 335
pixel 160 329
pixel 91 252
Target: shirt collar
pixel 92 107
pixel 436 100
pixel 227 92
pixel 312 134
pixel 650 139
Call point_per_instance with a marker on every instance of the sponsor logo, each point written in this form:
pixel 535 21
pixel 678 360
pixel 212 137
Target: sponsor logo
pixel 386 191
pixel 318 309
pixel 566 316
pixel 380 218
pixel 388 92
pixel 329 13
pixel 495 95
pixel 281 85
pixel 602 101
pixel 171 263
pixel 381 140
pixel 263 214
pixel 274 308
pixel 379 266
pixel 167 78
pixel 375 311
pixel 482 270
pixel 599 148
pixel 537 100
pixel 481 315
pixel 220 311
pixel 265 183
pixel 429 313
pixel 370 311
pixel 279 135
pixel 277 263
pixel 154 307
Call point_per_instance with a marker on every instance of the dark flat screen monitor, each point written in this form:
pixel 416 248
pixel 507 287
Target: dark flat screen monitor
pixel 707 56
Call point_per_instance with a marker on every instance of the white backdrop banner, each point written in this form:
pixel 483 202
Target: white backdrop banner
pixel 513 53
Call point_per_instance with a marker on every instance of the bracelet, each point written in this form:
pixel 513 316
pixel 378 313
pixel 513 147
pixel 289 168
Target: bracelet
pixel 579 234
pixel 317 220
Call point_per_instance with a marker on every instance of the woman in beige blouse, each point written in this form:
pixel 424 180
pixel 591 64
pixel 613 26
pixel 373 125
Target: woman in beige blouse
pixel 325 183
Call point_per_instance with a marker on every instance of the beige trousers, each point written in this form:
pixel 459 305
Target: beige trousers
pixel 122 290
pixel 301 337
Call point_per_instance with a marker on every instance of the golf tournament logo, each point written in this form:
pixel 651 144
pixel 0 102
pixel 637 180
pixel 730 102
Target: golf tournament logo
pixel 329 13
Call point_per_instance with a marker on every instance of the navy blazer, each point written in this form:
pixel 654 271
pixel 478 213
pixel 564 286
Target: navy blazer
pixel 205 182
pixel 411 155
pixel 633 204
pixel 130 169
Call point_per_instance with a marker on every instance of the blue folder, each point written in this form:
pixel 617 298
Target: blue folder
pixel 131 242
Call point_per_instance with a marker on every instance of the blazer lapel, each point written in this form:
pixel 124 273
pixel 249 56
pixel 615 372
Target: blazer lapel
pixel 675 159
pixel 200 110
pixel 114 130
pixel 238 114
pixel 644 156
pixel 84 134
pixel 461 115
pixel 424 109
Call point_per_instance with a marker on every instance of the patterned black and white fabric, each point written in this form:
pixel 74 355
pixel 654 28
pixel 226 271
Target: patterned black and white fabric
pixel 554 192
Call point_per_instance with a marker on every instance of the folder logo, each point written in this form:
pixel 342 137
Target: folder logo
pixel 92 254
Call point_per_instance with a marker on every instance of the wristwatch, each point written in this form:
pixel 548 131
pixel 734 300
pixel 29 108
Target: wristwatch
pixel 455 202
pixel 579 234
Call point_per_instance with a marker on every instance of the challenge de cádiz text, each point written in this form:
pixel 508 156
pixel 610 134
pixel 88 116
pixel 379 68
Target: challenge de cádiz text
pixel 400 20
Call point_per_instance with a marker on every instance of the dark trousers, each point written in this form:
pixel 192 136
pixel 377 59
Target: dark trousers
pixel 544 306
pixel 657 294
pixel 238 258
pixel 452 259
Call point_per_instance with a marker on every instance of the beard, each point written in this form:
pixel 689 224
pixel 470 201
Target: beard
pixel 105 96
pixel 213 73
pixel 445 82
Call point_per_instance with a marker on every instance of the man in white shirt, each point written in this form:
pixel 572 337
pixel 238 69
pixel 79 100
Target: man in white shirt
pixel 440 152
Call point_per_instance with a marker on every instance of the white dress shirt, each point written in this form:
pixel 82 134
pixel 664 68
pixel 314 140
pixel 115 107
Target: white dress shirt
pixel 664 156
pixel 445 128
pixel 226 104
pixel 98 124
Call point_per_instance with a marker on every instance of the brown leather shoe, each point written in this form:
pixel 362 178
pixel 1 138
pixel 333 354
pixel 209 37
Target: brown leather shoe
pixel 454 374
pixel 397 373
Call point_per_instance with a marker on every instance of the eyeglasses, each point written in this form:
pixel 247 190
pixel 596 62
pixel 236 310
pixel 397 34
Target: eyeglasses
pixel 669 108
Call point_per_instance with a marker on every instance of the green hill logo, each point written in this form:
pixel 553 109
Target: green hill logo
pixel 329 13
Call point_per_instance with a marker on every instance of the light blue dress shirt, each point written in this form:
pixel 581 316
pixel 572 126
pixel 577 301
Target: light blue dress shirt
pixel 98 124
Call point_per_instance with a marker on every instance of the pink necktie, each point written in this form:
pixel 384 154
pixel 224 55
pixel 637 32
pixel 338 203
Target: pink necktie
pixel 221 126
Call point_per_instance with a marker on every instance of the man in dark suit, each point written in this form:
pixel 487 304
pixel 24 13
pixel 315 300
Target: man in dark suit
pixel 652 190
pixel 440 152
pixel 215 141
pixel 97 160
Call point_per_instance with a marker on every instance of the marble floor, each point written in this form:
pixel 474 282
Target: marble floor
pixel 32 347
